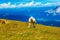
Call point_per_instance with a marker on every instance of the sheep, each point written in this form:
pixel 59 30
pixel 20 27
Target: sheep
pixel 3 21
pixel 32 22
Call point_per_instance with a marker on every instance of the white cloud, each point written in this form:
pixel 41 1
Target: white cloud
pixel 54 12
pixel 38 4
pixel 29 4
pixel 52 4
pixel 7 5
pixel 58 10
pixel 50 11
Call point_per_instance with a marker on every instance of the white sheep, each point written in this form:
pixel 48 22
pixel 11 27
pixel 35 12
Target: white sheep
pixel 3 21
pixel 32 22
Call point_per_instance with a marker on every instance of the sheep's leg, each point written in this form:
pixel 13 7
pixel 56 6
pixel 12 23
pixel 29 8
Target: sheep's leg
pixel 29 25
pixel 34 25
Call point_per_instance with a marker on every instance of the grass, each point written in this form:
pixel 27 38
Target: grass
pixel 16 30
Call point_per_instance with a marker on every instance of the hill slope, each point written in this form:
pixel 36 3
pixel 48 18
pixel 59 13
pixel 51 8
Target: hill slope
pixel 16 30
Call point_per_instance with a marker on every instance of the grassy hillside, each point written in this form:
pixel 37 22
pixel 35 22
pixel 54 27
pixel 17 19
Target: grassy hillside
pixel 15 30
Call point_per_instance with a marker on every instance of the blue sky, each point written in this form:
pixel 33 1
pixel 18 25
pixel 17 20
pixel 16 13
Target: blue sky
pixel 16 1
pixel 28 3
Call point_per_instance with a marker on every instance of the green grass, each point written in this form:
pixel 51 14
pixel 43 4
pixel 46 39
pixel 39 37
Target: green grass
pixel 16 30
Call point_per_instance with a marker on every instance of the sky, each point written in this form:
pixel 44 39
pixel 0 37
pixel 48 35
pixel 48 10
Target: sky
pixel 13 1
pixel 28 3
pixel 31 3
